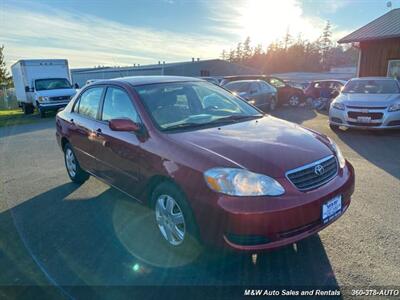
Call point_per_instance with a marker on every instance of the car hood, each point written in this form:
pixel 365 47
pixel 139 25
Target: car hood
pixel 368 100
pixel 267 145
pixel 56 93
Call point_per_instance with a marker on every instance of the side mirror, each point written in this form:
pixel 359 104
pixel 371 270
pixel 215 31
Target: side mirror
pixel 123 125
pixel 27 89
pixel 76 86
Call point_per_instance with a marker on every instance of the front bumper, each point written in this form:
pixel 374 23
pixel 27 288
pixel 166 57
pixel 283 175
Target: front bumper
pixel 51 106
pixel 389 120
pixel 264 223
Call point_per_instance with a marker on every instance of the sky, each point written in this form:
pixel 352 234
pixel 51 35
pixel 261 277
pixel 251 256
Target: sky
pixel 127 32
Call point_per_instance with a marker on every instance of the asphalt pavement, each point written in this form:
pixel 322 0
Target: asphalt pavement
pixel 54 232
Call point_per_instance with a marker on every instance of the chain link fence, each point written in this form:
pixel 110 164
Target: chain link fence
pixel 8 99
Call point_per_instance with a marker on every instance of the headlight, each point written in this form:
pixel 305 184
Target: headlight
pixel 339 154
pixel 43 98
pixel 394 107
pixel 240 182
pixel 338 105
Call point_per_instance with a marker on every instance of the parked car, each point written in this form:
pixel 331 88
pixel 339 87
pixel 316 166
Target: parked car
pixel 318 87
pixel 256 92
pixel 367 102
pixel 226 175
pixel 211 79
pixel 44 84
pixel 287 95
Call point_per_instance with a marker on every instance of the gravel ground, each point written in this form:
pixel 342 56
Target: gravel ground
pixel 53 232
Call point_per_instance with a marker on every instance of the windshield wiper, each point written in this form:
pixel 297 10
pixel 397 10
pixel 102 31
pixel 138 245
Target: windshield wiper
pixel 184 125
pixel 234 118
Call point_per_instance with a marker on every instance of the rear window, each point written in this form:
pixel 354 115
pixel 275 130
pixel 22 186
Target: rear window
pixel 238 86
pixel 371 87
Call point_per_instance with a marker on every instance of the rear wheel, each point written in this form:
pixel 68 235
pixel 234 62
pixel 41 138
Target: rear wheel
pixel 75 173
pixel 174 217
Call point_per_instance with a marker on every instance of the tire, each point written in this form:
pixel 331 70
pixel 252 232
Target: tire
pixel 42 113
pixel 174 218
pixel 272 104
pixel 294 100
pixel 334 127
pixel 75 172
pixel 27 108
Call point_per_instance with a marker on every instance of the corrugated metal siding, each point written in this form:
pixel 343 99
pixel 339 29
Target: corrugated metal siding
pixel 376 55
pixel 386 26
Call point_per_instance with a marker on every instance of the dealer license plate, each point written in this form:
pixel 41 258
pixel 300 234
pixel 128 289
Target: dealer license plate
pixel 364 119
pixel 331 209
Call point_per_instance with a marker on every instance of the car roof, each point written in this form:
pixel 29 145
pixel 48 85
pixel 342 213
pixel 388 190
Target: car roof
pixel 331 80
pixel 247 81
pixel 143 80
pixel 374 78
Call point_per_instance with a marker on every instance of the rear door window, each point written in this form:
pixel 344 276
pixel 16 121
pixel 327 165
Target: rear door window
pixel 89 102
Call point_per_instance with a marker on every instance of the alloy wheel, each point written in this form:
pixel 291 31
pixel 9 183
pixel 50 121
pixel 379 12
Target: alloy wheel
pixel 294 100
pixel 170 220
pixel 70 162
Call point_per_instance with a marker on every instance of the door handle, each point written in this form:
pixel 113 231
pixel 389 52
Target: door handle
pixel 98 131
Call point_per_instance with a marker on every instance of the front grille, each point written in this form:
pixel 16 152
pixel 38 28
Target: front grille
pixel 60 98
pixel 369 107
pixel 247 240
pixel 372 115
pixel 307 177
pixel 365 124
pixel 300 230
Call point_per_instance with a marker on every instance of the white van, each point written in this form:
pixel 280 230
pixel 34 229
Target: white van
pixel 42 83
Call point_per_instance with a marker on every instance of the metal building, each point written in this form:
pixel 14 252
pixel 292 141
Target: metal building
pixel 195 68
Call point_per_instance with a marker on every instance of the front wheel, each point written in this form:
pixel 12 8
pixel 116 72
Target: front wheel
pixel 75 173
pixel 334 127
pixel 294 100
pixel 174 217
pixel 272 104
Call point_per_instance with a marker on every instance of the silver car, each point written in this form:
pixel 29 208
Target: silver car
pixel 367 102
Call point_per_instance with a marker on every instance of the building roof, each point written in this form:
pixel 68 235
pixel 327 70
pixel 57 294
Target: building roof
pixel 142 80
pixel 159 66
pixel 384 27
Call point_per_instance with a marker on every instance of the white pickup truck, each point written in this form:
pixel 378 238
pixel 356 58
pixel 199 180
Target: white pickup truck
pixel 44 84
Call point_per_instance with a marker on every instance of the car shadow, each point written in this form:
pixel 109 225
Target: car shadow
pixel 378 147
pixel 58 238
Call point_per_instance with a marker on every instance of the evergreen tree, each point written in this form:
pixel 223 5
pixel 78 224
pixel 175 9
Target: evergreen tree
pixel 247 51
pixel 325 45
pixel 4 76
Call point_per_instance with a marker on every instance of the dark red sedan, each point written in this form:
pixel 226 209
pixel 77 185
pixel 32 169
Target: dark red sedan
pixel 209 164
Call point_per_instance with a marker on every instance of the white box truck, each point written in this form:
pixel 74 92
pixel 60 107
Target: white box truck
pixel 44 84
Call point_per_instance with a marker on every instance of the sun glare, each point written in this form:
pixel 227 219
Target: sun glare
pixel 267 21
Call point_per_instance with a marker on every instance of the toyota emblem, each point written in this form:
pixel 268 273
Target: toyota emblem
pixel 319 170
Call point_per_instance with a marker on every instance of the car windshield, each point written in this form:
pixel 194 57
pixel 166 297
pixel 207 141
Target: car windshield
pixel 238 86
pixel 186 105
pixel 52 84
pixel 371 87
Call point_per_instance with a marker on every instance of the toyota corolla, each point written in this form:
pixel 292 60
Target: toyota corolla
pixel 208 164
